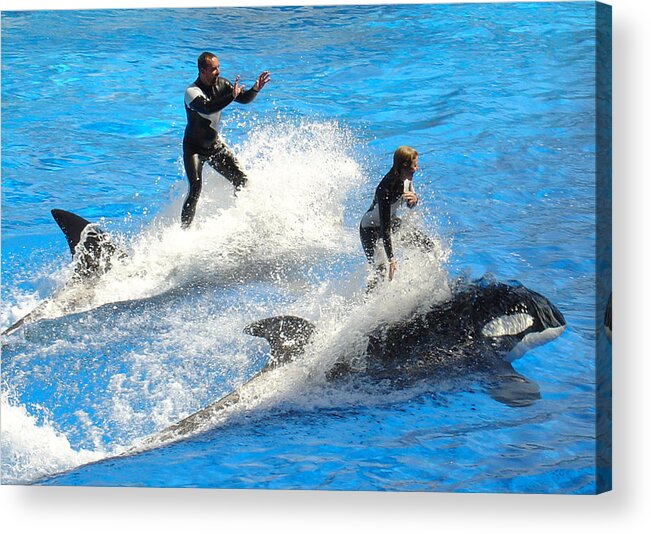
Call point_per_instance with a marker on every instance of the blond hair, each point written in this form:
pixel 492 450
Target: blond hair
pixel 403 157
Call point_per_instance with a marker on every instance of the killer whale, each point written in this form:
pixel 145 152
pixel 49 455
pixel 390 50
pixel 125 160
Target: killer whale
pixel 93 253
pixel 482 328
pixel 479 330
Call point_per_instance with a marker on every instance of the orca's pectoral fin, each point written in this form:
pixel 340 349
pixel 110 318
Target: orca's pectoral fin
pixel 511 388
pixel 287 336
pixel 198 420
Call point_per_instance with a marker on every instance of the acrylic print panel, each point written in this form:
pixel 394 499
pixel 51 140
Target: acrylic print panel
pixel 258 348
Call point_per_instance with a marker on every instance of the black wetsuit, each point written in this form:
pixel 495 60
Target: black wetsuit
pixel 380 221
pixel 203 106
pixel 380 218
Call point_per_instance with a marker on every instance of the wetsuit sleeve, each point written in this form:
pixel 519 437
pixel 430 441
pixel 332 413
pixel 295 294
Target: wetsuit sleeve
pixel 246 96
pixel 384 210
pixel 197 101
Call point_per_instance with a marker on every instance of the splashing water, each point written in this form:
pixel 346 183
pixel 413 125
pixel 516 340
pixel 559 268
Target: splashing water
pixel 344 319
pixel 290 215
pixel 160 335
pixel 32 449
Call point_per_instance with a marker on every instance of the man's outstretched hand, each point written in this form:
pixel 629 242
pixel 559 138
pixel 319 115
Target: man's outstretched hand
pixel 262 80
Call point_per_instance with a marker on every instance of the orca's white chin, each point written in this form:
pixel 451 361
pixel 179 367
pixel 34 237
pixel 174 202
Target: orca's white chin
pixel 533 340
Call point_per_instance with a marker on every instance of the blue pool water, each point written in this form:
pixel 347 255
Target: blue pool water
pixel 499 100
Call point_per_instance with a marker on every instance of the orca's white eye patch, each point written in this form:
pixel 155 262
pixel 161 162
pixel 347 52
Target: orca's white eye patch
pixel 507 325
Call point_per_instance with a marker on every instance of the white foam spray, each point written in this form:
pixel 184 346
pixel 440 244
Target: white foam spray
pixel 279 247
pixel 33 449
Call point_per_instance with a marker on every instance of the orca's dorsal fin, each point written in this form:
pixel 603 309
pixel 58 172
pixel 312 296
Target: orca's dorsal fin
pixel 287 336
pixel 91 248
pixel 511 388
pixel 72 226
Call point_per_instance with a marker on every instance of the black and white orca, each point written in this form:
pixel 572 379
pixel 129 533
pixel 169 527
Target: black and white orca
pixel 482 328
pixel 93 254
pixel 479 330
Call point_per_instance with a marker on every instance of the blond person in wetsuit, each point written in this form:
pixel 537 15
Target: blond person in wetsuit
pixel 204 101
pixel 380 221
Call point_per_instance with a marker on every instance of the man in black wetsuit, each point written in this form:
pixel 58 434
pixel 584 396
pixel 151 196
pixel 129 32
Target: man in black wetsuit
pixel 204 101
